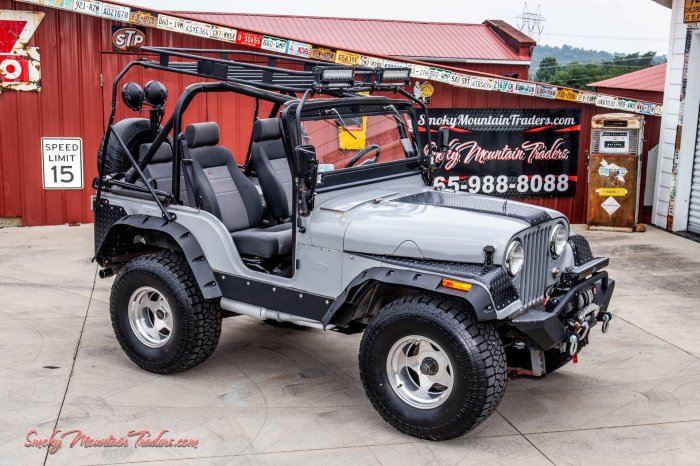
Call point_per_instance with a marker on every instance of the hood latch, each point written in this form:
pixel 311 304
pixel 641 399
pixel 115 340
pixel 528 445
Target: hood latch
pixel 489 252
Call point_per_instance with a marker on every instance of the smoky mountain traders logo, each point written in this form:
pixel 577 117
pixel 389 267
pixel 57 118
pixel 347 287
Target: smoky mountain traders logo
pixel 515 153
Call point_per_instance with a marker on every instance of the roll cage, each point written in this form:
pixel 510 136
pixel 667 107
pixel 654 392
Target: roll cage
pixel 271 82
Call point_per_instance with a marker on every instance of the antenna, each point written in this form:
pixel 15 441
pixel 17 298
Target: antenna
pixel 531 22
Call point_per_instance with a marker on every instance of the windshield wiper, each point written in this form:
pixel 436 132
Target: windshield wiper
pixel 342 122
pixel 397 116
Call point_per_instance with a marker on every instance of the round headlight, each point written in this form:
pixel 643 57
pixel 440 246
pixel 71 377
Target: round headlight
pixel 558 240
pixel 515 258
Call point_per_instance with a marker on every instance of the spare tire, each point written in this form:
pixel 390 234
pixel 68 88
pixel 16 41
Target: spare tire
pixel 134 132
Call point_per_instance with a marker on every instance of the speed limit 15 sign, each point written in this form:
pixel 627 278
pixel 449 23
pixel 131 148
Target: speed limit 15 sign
pixel 62 163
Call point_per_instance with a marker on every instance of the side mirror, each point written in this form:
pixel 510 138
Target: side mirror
pixel 305 156
pixel 443 139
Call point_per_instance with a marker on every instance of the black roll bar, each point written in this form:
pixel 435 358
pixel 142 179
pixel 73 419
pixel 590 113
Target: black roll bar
pixel 169 216
pixel 267 82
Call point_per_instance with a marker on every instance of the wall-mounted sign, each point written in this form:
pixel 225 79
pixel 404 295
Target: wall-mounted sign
pixel 691 13
pixel 298 49
pixel 20 68
pixel 322 53
pixel 249 39
pixel 142 17
pixel 129 39
pixel 62 163
pixel 423 91
pixel 513 153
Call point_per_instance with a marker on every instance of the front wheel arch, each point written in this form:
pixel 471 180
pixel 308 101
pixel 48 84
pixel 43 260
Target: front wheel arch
pixel 376 287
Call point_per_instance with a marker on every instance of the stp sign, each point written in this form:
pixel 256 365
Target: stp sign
pixel 128 39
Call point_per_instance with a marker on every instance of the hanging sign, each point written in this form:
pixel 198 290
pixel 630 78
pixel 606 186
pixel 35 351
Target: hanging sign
pixel 316 52
pixel 514 153
pixel 249 39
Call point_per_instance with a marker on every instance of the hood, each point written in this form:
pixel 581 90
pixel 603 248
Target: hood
pixel 438 225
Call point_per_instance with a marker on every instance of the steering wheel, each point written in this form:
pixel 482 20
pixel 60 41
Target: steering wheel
pixel 364 152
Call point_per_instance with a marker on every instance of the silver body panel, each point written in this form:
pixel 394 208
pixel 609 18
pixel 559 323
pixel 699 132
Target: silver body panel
pixel 366 219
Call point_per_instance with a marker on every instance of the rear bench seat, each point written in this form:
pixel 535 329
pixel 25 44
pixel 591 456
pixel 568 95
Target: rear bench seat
pixel 226 192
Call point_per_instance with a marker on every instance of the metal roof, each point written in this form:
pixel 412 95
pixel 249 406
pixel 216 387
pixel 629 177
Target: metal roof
pixel 377 36
pixel 649 79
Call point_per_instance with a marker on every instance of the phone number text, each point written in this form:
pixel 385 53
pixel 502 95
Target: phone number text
pixel 503 184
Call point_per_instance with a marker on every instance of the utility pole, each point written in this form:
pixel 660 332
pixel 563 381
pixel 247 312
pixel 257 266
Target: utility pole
pixel 531 22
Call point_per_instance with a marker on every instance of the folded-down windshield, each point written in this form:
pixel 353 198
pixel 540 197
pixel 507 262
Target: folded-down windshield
pixel 343 141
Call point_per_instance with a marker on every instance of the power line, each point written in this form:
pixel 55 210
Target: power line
pixel 531 22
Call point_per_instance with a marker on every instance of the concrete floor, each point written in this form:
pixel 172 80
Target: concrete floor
pixel 271 395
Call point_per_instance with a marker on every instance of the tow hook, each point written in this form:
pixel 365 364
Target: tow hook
pixel 572 344
pixel 605 317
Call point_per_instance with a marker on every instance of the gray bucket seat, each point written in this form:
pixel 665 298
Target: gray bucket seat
pixel 272 168
pixel 226 192
pixel 160 169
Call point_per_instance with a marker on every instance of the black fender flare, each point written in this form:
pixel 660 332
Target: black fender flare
pixel 341 312
pixel 186 241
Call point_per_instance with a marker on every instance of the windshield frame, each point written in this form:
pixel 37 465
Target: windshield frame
pixel 363 106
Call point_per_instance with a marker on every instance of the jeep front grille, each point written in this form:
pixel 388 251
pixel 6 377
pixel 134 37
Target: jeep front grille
pixel 534 274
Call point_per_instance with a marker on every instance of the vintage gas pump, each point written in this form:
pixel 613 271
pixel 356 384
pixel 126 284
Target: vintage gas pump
pixel 614 171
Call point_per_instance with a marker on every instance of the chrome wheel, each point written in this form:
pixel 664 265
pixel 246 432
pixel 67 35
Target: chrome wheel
pixel 420 372
pixel 150 317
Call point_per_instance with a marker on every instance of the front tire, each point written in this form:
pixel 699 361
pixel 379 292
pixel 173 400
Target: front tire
pixel 430 368
pixel 159 316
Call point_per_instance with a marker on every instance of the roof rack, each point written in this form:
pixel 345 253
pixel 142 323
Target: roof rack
pixel 279 74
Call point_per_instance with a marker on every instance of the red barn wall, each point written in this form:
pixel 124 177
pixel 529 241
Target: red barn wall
pixel 76 56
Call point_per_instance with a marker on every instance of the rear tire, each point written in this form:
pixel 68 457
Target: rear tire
pixel 430 368
pixel 159 316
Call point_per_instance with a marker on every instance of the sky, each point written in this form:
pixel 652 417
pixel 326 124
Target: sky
pixel 610 25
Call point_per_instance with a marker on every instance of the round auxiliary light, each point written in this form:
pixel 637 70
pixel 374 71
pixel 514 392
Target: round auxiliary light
pixel 515 258
pixel 557 242
pixel 156 94
pixel 132 95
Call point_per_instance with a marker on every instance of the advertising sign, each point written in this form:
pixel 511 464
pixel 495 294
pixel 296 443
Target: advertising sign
pixel 129 39
pixel 691 12
pixel 515 153
pixel 20 65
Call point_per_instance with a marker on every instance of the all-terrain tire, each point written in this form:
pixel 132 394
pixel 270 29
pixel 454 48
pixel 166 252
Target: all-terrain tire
pixel 475 351
pixel 196 324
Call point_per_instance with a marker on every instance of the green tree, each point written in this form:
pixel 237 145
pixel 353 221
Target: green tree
pixel 579 75
pixel 548 67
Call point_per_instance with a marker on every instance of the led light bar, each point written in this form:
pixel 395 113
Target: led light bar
pixel 334 77
pixel 395 76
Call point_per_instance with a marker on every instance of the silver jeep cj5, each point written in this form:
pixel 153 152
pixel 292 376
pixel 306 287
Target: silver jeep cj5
pixel 332 223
